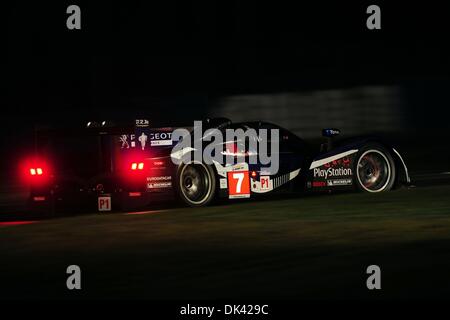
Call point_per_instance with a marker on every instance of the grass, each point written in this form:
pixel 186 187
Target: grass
pixel 307 248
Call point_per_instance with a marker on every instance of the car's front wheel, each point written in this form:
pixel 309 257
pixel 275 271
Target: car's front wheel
pixel 196 184
pixel 375 169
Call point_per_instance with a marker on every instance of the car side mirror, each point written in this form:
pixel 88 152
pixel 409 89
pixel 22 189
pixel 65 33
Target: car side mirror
pixel 329 133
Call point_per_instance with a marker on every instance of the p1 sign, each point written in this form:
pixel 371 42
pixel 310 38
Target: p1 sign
pixel 104 203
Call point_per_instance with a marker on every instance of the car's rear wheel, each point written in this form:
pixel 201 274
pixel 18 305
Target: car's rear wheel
pixel 375 169
pixel 196 184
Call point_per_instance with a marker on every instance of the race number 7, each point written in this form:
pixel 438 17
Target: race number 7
pixel 238 184
pixel 240 177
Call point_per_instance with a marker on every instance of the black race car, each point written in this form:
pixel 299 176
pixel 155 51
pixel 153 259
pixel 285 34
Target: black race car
pixel 142 164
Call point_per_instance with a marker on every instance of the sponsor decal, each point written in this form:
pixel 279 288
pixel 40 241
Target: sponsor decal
pixel 336 168
pixel 158 185
pixel 123 140
pixel 318 184
pixel 143 140
pixel 336 159
pixel 342 162
pixel 239 167
pixel 159 182
pixel 160 178
pixel 142 123
pixel 161 143
pixel 332 172
pixel 330 132
pixel 339 182
pixel 160 138
pixel 223 183
pixel 147 137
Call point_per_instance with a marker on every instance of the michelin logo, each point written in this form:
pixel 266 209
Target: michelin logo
pixel 332 172
pixel 339 182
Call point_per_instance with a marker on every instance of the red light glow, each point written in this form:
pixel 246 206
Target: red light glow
pixel 15 223
pixel 36 171
pixel 137 166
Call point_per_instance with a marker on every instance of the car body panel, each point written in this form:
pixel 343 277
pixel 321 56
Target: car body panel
pixel 301 168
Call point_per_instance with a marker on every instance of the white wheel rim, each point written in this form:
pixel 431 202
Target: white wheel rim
pixel 181 183
pixel 388 171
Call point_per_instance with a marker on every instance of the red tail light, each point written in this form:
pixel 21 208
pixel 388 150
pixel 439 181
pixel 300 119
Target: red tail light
pixel 36 171
pixel 137 166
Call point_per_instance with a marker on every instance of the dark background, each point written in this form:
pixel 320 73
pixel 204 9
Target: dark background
pixel 302 65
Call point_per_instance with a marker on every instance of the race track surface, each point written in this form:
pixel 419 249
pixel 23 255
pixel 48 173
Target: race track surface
pixel 315 247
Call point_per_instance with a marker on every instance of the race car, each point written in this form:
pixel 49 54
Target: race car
pixel 146 164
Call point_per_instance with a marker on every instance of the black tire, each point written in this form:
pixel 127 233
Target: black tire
pixel 374 169
pixel 196 184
